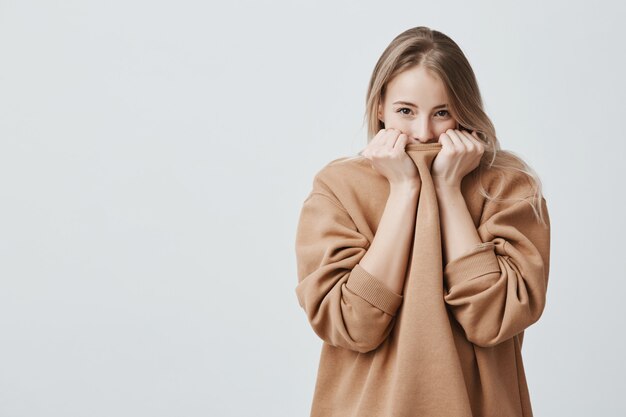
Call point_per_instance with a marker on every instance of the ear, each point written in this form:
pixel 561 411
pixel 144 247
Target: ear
pixel 380 112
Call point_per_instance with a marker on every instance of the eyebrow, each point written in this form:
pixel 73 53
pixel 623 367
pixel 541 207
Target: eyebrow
pixel 406 103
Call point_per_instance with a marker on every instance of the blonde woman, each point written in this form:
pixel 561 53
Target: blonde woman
pixel 422 260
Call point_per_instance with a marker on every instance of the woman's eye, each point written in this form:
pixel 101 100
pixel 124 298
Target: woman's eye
pixel 404 108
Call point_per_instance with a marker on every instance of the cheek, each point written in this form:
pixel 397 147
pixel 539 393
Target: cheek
pixel 448 124
pixel 399 120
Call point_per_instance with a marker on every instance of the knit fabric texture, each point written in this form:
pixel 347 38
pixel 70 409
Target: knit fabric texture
pixel 450 344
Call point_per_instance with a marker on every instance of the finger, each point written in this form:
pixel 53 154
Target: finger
pixel 465 140
pixel 391 138
pixel 478 143
pixel 377 141
pixel 477 136
pixel 382 135
pixel 445 140
pixel 454 139
pixel 468 135
pixel 379 137
pixel 401 142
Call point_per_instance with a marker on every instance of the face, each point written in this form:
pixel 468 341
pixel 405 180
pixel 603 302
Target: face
pixel 412 105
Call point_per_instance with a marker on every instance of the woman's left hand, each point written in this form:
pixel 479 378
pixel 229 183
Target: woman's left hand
pixel 460 155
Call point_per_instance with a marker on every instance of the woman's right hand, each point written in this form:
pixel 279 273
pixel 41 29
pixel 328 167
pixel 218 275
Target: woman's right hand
pixel 388 157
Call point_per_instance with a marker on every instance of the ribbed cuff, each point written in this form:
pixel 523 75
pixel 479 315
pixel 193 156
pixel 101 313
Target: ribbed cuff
pixel 477 262
pixel 373 291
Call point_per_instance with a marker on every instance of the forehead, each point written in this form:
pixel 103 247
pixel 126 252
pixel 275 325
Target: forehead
pixel 416 85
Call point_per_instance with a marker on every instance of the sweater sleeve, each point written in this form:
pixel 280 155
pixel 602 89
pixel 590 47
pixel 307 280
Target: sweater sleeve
pixel 498 289
pixel 346 306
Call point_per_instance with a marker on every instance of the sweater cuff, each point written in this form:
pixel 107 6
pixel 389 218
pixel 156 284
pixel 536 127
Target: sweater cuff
pixel 479 261
pixel 368 287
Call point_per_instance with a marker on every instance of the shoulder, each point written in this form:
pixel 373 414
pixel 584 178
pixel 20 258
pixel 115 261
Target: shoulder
pixel 509 178
pixel 343 174
pixel 345 165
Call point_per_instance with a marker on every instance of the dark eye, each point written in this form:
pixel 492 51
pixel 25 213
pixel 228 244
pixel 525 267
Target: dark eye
pixel 444 111
pixel 403 108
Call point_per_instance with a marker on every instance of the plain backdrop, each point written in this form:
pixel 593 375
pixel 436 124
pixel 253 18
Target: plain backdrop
pixel 154 156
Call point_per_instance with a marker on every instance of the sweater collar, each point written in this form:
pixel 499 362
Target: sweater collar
pixel 423 154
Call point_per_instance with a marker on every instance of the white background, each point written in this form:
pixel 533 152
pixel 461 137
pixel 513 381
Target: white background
pixel 154 157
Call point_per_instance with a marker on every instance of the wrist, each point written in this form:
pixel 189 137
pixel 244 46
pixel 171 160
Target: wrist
pixel 444 187
pixel 404 187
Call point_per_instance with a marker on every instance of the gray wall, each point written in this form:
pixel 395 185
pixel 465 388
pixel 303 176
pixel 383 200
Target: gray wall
pixel 154 157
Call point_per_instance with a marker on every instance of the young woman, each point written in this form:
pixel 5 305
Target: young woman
pixel 422 260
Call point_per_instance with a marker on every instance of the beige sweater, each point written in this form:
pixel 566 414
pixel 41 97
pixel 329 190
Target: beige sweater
pixel 450 345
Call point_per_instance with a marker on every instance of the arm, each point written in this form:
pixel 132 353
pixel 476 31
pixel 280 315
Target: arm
pixel 347 305
pixel 457 227
pixel 497 288
pixel 389 251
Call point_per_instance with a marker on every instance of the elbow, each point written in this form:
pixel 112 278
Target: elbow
pixel 372 343
pixel 366 348
pixel 362 327
pixel 488 342
pixel 482 337
pixel 355 335
pixel 484 342
pixel 486 339
pixel 359 330
pixel 357 313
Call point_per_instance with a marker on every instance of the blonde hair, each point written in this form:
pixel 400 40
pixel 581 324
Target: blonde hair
pixel 443 57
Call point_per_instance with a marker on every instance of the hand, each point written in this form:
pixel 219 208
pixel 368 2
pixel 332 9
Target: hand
pixel 460 154
pixel 388 157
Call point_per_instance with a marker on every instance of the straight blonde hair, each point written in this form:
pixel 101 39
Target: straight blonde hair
pixel 443 57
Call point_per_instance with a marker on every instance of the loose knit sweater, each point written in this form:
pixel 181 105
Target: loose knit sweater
pixel 450 344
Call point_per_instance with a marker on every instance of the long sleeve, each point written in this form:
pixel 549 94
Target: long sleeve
pixel 346 306
pixel 498 289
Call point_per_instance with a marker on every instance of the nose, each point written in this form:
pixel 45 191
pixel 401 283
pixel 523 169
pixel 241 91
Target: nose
pixel 423 131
